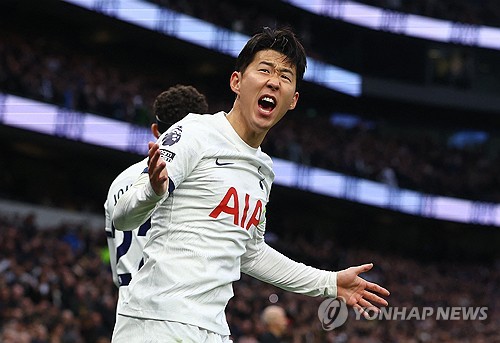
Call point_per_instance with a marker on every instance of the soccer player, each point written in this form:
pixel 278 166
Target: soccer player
pixel 207 187
pixel 125 247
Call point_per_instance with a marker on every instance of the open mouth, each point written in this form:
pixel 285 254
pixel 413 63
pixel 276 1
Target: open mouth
pixel 267 103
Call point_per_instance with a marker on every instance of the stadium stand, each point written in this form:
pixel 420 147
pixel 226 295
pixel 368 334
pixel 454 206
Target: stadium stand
pixel 485 12
pixel 423 160
pixel 65 293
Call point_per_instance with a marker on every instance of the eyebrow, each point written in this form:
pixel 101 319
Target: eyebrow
pixel 281 70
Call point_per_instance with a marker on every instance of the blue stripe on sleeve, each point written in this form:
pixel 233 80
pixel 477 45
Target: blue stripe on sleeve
pixel 171 186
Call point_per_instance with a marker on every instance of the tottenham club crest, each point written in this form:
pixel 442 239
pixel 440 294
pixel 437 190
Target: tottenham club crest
pixel 173 136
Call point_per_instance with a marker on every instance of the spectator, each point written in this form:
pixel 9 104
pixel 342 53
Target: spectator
pixel 276 323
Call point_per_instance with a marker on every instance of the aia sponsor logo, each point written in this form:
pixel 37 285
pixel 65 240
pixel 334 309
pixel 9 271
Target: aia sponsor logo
pixel 230 205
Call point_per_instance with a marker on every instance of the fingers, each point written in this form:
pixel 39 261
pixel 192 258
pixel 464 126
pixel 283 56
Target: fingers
pixel 378 289
pixel 153 150
pixel 361 310
pixel 156 169
pixel 154 156
pixel 361 268
pixel 370 285
pixel 366 301
pixel 365 310
pixel 366 305
pixel 369 296
pixel 157 173
pixel 364 268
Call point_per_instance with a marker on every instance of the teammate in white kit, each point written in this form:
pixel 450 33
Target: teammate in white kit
pixel 207 188
pixel 125 247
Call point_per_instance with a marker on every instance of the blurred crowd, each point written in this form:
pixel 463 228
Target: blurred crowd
pixel 456 68
pixel 401 156
pixel 428 161
pixel 481 12
pixel 56 287
pixel 46 70
pixel 245 16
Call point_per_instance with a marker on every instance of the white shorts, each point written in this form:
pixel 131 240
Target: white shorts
pixel 139 330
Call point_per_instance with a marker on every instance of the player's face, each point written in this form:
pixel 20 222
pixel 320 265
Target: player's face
pixel 266 90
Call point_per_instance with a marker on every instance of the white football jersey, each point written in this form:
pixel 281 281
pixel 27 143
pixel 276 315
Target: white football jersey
pixel 207 228
pixel 125 247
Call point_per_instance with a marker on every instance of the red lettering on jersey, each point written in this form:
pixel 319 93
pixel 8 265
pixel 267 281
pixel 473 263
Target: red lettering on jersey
pixel 245 210
pixel 255 215
pixel 223 206
pixel 232 196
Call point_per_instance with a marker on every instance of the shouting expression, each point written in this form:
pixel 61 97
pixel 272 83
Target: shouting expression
pixel 265 92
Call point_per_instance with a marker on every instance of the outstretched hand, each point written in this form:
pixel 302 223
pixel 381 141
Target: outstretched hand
pixel 158 175
pixel 359 293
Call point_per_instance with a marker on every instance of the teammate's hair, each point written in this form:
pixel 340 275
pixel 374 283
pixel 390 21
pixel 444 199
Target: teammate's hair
pixel 282 40
pixel 175 103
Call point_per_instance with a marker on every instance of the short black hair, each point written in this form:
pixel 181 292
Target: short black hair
pixel 282 40
pixel 175 103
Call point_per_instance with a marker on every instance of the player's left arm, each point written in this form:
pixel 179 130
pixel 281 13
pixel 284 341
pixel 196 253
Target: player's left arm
pixel 266 264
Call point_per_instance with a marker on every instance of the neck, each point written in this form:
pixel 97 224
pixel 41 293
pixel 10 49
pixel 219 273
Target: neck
pixel 249 135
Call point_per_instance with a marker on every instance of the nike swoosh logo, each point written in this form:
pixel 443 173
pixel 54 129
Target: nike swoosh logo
pixel 261 184
pixel 222 163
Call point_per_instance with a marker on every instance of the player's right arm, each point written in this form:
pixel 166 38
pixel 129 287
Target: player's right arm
pixel 183 149
pixel 157 171
pixel 137 204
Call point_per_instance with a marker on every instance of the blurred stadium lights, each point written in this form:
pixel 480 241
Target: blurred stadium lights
pixel 196 31
pixel 88 128
pixel 403 23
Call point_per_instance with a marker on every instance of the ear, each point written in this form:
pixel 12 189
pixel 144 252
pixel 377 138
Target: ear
pixel 154 130
pixel 234 82
pixel 294 101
